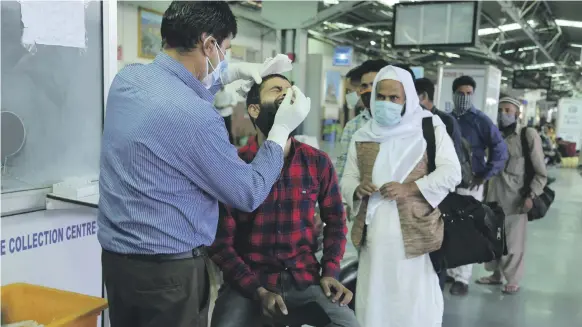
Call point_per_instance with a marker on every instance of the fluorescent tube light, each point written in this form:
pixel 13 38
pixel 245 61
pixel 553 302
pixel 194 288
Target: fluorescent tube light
pixel 502 28
pixel 568 23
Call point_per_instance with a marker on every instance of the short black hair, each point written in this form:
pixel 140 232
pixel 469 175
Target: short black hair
pixel 464 80
pixel 184 22
pixel 369 66
pixel 408 69
pixel 424 85
pixel 353 73
pixel 254 94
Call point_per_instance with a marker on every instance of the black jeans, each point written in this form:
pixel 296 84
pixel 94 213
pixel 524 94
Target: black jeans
pixel 442 278
pixel 146 293
pixel 306 307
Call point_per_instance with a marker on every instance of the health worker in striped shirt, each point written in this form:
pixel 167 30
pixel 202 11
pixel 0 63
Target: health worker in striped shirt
pixel 268 257
pixel 166 161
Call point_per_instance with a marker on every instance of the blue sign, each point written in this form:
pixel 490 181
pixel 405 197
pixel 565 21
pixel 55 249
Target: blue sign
pixel 342 56
pixel 418 71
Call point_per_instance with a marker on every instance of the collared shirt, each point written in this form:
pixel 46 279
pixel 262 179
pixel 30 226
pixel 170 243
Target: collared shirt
pixel 166 161
pixel 350 129
pixel 252 249
pixel 478 129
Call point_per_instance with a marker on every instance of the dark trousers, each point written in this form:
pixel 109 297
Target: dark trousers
pixel 306 307
pixel 442 278
pixel 145 293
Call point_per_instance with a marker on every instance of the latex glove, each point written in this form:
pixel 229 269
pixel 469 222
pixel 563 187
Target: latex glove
pixel 292 112
pixel 277 65
pixel 244 70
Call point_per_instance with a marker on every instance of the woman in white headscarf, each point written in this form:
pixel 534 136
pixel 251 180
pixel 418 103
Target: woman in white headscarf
pixel 387 182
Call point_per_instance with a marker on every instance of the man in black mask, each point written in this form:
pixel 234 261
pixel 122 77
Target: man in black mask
pixel 268 256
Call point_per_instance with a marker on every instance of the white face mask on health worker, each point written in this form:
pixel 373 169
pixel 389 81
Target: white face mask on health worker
pixel 387 113
pixel 352 99
pixel 217 67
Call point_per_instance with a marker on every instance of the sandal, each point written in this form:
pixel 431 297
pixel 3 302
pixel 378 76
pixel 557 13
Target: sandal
pixel 489 280
pixel 510 289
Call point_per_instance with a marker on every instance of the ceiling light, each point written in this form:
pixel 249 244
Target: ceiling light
pixel 533 47
pixel 557 75
pixel 383 32
pixel 387 13
pixel 509 51
pixel 503 28
pixel 576 45
pixel 540 66
pixel 338 25
pixel 372 42
pixel 365 29
pixel 389 2
pixel 503 78
pixel 568 23
pixel 452 55
pixel 578 63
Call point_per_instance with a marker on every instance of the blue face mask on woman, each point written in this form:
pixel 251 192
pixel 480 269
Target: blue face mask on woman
pixel 387 113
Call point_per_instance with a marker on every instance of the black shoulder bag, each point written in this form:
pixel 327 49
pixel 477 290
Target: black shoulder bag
pixel 541 203
pixel 474 231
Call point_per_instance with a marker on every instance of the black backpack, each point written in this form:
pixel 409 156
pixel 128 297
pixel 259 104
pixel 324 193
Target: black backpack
pixel 474 231
pixel 542 203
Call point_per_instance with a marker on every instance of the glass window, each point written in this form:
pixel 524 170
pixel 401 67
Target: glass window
pixel 57 92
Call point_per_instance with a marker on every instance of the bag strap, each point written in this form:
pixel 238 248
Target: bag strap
pixel 428 133
pixel 529 169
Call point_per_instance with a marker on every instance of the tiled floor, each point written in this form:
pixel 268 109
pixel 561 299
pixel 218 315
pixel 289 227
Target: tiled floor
pixel 551 292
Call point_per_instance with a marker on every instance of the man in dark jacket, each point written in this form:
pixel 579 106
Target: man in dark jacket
pixel 425 90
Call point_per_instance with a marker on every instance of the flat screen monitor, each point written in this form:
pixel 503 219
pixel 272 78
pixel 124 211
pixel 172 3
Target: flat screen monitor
pixel 418 71
pixel 532 79
pixel 435 24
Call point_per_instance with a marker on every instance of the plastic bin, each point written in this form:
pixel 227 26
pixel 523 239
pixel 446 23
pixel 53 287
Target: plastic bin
pixel 49 307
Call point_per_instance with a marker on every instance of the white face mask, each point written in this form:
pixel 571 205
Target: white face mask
pixel 387 113
pixel 352 99
pixel 216 74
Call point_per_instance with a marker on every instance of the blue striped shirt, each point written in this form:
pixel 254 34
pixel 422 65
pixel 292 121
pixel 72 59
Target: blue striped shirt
pixel 166 161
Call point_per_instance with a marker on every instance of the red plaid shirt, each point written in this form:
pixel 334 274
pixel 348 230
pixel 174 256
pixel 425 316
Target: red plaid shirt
pixel 252 249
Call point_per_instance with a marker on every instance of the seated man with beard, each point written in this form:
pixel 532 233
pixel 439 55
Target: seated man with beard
pixel 268 257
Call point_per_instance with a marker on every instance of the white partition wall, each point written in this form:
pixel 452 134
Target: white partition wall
pixel 487 78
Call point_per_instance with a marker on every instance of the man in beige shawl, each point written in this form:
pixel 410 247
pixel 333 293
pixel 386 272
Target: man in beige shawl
pixel 506 189
pixel 387 183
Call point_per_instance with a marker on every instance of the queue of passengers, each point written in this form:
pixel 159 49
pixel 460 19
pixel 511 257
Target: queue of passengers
pixel 167 162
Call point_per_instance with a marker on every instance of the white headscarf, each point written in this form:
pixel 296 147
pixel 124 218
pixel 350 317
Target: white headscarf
pixel 402 146
pixel 411 122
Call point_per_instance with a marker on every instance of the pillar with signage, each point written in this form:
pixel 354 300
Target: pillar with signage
pixel 486 96
pixel 569 122
pixel 287 17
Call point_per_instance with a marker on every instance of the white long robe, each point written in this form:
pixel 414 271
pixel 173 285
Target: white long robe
pixel 393 291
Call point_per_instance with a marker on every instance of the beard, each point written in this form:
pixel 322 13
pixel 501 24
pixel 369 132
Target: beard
pixel 266 118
